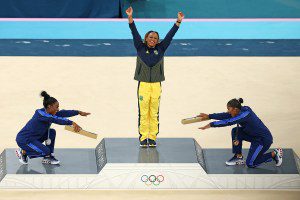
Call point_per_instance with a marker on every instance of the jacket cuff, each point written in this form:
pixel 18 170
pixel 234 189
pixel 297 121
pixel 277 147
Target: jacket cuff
pixel 131 25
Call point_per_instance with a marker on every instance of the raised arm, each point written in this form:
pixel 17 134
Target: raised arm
pixel 135 34
pixel 167 40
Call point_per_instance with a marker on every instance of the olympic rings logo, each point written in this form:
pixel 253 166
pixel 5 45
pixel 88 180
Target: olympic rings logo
pixel 152 179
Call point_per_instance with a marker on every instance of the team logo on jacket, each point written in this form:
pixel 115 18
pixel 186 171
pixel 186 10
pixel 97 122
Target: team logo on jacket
pixel 141 98
pixel 155 52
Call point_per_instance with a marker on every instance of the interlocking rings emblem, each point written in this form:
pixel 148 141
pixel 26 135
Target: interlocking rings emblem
pixel 152 179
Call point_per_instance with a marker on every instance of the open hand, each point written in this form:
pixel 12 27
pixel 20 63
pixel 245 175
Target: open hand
pixel 180 16
pixel 205 127
pixel 129 11
pixel 83 113
pixel 203 116
pixel 77 128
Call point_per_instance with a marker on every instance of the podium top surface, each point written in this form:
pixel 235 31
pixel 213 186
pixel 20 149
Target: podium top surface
pixel 168 150
pixel 72 161
pixel 215 163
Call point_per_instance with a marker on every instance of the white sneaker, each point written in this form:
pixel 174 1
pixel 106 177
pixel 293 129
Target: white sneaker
pixel 50 160
pixel 235 161
pixel 23 158
pixel 278 156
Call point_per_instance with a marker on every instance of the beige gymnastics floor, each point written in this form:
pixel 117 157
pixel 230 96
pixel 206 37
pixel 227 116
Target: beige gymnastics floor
pixel 105 87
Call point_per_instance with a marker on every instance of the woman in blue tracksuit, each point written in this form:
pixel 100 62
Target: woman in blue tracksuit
pixel 249 128
pixel 37 131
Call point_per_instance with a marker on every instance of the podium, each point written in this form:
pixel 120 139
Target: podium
pixel 119 163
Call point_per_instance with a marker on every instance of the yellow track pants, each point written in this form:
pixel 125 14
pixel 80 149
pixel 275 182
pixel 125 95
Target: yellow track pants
pixel 149 99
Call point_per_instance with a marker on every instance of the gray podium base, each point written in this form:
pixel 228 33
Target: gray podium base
pixel 119 163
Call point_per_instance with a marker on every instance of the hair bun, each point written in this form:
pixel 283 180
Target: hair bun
pixel 45 94
pixel 241 100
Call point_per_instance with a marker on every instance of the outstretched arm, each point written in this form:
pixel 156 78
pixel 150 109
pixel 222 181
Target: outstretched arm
pixel 67 113
pixel 46 117
pixel 219 116
pixel 167 40
pixel 71 113
pixel 228 122
pixel 136 36
pixel 242 116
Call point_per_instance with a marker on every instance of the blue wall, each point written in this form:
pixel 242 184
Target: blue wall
pixel 216 8
pixel 60 8
pixel 150 8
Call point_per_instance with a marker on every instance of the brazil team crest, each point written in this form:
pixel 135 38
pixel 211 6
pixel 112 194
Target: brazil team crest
pixel 141 98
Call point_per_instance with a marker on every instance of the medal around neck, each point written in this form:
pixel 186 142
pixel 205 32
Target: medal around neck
pixel 48 141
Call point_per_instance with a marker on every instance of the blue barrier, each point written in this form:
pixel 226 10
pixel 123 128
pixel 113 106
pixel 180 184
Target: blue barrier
pixel 120 30
pixel 186 47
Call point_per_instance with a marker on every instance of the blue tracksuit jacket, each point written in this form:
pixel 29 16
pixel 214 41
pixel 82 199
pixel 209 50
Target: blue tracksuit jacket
pixel 41 121
pixel 248 121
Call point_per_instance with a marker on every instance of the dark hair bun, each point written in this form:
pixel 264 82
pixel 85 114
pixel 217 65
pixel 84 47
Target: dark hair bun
pixel 241 100
pixel 45 94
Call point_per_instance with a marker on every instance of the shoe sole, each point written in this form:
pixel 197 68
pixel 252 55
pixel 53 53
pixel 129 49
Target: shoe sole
pixel 236 163
pixel 151 145
pixel 143 146
pixel 49 162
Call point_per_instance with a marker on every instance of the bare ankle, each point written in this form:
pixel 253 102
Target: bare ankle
pixel 273 154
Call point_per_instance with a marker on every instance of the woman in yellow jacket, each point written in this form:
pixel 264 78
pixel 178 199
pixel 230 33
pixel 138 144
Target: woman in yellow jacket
pixel 150 73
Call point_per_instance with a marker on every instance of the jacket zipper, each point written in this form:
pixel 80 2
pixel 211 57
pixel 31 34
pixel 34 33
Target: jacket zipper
pixel 150 73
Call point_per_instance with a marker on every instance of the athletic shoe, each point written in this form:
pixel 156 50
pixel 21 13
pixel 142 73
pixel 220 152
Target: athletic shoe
pixel 235 161
pixel 23 158
pixel 144 143
pixel 51 160
pixel 151 143
pixel 278 156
